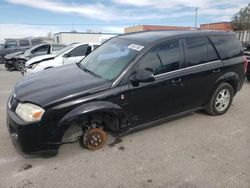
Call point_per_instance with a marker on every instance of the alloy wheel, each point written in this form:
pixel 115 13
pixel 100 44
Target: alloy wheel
pixel 222 100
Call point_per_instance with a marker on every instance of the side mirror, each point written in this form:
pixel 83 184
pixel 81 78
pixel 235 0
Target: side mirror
pixel 143 76
pixel 67 55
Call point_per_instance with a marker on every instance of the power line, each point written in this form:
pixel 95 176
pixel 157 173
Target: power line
pixel 196 14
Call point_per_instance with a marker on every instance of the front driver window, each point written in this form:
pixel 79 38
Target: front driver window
pixel 79 51
pixel 162 59
pixel 44 49
pixel 151 62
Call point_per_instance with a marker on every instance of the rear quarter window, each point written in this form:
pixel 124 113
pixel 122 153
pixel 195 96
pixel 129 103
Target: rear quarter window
pixel 227 46
pixel 199 50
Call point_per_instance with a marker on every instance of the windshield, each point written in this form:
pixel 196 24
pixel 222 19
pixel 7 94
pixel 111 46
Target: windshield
pixel 10 44
pixel 110 59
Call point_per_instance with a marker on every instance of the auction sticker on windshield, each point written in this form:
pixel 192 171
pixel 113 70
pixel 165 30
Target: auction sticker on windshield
pixel 135 47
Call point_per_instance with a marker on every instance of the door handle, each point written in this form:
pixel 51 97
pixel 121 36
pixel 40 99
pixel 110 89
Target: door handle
pixel 216 71
pixel 176 81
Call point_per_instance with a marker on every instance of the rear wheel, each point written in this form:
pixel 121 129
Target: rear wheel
pixel 221 100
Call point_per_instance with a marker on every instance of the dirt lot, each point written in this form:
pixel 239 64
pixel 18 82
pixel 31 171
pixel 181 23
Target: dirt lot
pixel 195 151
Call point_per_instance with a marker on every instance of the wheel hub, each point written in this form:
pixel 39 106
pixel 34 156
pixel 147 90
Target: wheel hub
pixel 94 138
pixel 222 100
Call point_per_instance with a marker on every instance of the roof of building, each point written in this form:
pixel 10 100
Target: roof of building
pixel 87 33
pixel 216 23
pixel 154 36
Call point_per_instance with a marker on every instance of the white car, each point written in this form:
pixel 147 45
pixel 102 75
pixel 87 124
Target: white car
pixel 70 54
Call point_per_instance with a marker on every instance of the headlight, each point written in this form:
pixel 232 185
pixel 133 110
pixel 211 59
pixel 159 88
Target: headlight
pixel 33 66
pixel 29 112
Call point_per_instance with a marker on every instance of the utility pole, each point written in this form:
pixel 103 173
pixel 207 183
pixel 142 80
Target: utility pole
pixel 196 14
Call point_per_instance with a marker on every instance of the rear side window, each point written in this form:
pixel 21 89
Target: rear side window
pixel 24 43
pixel 79 51
pixel 227 46
pixel 199 50
pixel 36 41
pixel 56 47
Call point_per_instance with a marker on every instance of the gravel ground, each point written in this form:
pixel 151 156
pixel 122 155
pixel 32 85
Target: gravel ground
pixel 195 151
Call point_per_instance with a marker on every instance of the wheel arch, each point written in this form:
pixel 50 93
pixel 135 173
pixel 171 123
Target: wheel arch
pixel 230 78
pixel 110 114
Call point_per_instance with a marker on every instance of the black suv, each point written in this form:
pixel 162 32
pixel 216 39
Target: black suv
pixel 130 82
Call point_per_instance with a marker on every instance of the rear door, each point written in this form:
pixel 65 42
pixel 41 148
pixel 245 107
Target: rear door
pixel 203 69
pixel 76 55
pixel 231 53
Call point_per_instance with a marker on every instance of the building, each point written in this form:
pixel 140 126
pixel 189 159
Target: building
pixel 84 37
pixel 244 37
pixel 154 27
pixel 224 26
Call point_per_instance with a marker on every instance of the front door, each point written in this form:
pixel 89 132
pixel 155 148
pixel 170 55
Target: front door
pixel 165 96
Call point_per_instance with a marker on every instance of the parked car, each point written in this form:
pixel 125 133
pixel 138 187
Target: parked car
pixel 16 60
pixel 73 54
pixel 247 56
pixel 14 45
pixel 1 47
pixel 130 82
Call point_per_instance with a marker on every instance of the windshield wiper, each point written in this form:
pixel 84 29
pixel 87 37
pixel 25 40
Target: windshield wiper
pixel 87 70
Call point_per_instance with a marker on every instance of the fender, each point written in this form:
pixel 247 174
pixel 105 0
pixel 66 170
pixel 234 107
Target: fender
pixel 112 114
pixel 230 77
pixel 233 79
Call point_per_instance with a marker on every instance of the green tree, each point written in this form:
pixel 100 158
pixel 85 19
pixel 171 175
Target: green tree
pixel 241 20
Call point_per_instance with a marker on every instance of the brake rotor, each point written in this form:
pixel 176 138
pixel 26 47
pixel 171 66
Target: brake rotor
pixel 95 138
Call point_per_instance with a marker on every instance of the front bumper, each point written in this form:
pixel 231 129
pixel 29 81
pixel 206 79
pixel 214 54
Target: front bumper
pixel 9 64
pixel 27 137
pixel 2 60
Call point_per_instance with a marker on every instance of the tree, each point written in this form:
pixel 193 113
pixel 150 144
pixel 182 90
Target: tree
pixel 241 20
pixel 50 35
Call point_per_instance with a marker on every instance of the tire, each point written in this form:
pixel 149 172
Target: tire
pixel 93 139
pixel 19 65
pixel 248 77
pixel 221 100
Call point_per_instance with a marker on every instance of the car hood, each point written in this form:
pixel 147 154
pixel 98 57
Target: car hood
pixel 23 56
pixel 11 55
pixel 39 59
pixel 5 52
pixel 52 86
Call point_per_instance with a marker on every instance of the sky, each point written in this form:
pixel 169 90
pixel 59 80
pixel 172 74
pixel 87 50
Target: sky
pixel 26 18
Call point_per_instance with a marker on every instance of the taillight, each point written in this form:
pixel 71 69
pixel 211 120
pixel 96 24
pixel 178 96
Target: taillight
pixel 245 64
